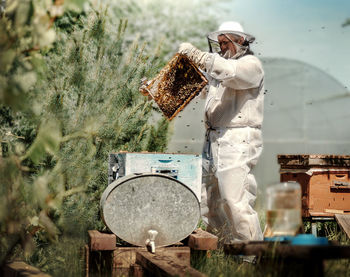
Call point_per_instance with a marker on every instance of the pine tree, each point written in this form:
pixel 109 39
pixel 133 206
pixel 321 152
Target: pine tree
pixel 91 90
pixel 79 102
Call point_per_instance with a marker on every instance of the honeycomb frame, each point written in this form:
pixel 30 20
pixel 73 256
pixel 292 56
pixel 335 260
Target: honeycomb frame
pixel 178 82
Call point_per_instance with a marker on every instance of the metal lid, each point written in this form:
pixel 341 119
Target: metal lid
pixel 137 203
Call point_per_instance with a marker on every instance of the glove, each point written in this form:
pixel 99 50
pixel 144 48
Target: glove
pixel 185 48
pixel 197 56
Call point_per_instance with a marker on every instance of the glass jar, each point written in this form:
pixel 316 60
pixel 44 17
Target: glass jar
pixel 283 214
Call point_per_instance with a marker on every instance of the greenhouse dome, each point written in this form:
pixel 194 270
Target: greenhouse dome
pixel 306 112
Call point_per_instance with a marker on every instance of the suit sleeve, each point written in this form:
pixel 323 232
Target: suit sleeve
pixel 240 74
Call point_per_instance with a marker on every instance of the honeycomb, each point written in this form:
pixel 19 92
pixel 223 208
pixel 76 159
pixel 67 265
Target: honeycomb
pixel 176 85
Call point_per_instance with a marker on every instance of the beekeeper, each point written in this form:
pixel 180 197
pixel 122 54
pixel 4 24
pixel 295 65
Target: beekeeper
pixel 233 116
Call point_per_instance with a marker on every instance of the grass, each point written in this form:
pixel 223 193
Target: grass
pixel 211 263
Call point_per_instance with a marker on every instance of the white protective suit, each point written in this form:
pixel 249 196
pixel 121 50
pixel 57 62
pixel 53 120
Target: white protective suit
pixel 233 114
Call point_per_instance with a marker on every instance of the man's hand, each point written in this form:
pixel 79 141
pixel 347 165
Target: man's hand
pixel 195 55
pixel 185 48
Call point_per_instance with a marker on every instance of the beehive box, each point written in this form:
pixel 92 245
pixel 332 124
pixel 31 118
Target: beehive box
pixel 325 182
pixel 187 168
pixel 176 85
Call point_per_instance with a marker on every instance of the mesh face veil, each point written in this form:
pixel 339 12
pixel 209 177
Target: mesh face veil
pixel 214 46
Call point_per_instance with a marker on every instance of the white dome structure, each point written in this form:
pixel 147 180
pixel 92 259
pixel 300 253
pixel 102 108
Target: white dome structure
pixel 306 112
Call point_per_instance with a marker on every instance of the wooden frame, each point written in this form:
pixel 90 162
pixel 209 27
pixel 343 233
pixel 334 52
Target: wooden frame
pixel 182 74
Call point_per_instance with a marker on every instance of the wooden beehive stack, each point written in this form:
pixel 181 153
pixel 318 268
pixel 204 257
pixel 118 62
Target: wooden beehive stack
pixel 325 182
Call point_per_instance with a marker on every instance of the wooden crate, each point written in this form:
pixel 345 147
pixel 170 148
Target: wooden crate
pixel 324 179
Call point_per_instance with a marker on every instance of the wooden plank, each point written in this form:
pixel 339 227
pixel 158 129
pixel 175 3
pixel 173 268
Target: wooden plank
pixel 202 240
pixel 136 270
pixel 161 264
pixel 344 222
pixel 124 256
pixel 119 272
pixel 271 249
pixel 182 253
pixel 101 241
pixel 21 269
pixel 334 211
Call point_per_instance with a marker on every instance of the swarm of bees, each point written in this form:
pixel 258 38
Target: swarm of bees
pixel 176 85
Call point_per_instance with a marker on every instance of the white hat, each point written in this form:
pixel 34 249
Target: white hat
pixel 232 26
pixel 228 27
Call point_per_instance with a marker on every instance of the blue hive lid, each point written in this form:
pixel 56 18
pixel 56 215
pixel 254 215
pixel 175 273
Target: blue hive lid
pixel 309 239
pixel 279 238
pixel 301 239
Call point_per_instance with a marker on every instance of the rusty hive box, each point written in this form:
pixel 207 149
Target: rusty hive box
pixel 176 85
pixel 325 182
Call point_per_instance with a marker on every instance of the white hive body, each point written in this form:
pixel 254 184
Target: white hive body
pixel 187 168
pixel 135 204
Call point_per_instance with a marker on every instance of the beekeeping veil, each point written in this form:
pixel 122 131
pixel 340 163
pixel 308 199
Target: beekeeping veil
pixel 229 29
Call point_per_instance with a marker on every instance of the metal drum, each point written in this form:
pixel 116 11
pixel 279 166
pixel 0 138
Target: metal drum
pixel 135 204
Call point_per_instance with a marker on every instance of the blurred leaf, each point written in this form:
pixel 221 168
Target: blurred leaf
pixel 22 13
pixel 3 209
pixel 41 189
pixel 3 86
pixel 49 226
pixel 72 191
pixel 11 5
pixel 47 141
pixel 92 126
pixel 34 221
pixel 47 38
pixel 26 80
pixel 74 5
pixel 6 59
pixel 28 245
pixel 19 148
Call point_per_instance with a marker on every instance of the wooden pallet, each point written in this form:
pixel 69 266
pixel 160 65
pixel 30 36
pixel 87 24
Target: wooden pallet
pixel 103 256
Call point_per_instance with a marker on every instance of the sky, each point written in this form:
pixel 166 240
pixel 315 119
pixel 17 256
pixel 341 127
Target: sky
pixel 307 30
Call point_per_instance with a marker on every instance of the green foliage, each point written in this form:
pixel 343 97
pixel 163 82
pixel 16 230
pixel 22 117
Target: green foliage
pixel 68 97
pixel 24 30
pixel 158 137
pixel 74 5
pixel 169 22
pixel 91 93
pixel 47 141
